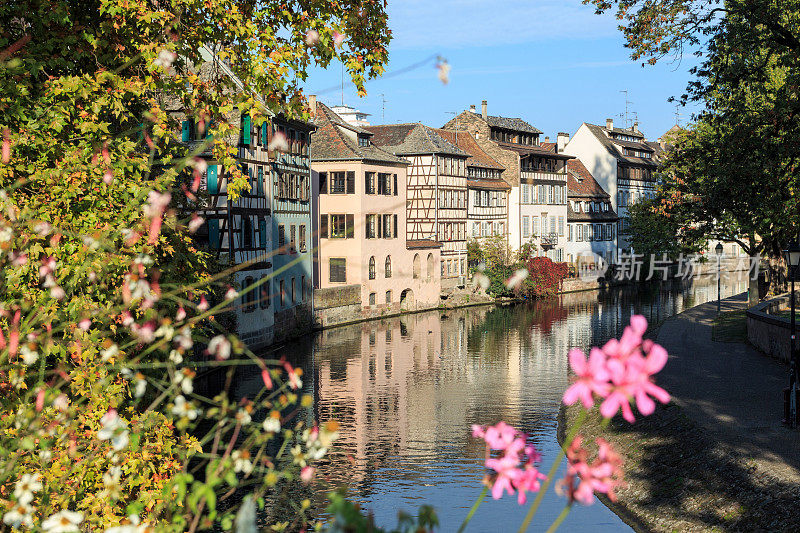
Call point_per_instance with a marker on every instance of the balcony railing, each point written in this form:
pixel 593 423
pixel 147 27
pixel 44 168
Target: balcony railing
pixel 543 175
pixel 549 239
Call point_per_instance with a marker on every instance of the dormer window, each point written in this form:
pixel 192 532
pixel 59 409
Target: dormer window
pixel 363 140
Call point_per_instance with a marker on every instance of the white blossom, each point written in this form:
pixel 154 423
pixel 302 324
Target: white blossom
pixel 241 462
pixel 25 487
pixel 183 379
pixel 109 352
pixel 20 515
pixel 114 429
pixel 517 278
pixel 28 355
pixel 184 409
pixel 272 425
pixel 165 58
pixel 220 347
pixel 176 357
pixel 63 522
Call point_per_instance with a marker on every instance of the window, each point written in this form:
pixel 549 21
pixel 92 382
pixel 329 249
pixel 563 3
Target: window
pixel 338 270
pixel 384 183
pixel 292 240
pixel 552 224
pixel 372 267
pixel 430 267
pixel 293 300
pixel 281 237
pixel 387 226
pixel 476 229
pixel 369 183
pixel 248 299
pixel 369 227
pixel 341 226
pixel 388 267
pixel 351 182
pixel 323 183
pixel 303 288
pixel 247 233
pixel 363 140
pixel 526 226
pixel 302 238
pixel 561 226
pixel 388 301
pixel 371 299
pixel 417 267
pixel 338 185
pixel 264 289
pixel 535 220
pixel 462 266
pixel 569 232
pixel 283 294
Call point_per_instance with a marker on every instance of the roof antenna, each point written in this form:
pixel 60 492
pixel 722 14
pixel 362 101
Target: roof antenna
pixel 677 115
pixel 383 109
pixel 626 108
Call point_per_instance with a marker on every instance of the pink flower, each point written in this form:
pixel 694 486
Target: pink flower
pixel 266 378
pixel 632 379
pixel 517 278
pixel 203 305
pixel 154 209
pixel 6 145
pixel 293 375
pixel 180 316
pixel 513 469
pixel 338 38
pixel 312 37
pixel 278 142
pixel 592 377
pixel 307 474
pixel 195 223
pixel 584 480
pixel 500 436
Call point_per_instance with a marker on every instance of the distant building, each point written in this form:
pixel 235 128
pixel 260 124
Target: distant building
pixel 487 203
pixel 361 216
pixel 437 193
pixel 591 221
pixel 622 163
pixel 351 115
pixel 537 208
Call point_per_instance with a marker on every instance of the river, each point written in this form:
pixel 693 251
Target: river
pixel 407 389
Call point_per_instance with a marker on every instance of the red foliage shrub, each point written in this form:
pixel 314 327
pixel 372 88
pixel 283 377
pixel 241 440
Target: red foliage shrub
pixel 544 278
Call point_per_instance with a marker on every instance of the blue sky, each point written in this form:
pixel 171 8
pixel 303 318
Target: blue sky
pixel 552 62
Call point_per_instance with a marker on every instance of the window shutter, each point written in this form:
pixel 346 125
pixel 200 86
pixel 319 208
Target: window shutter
pixel 351 183
pixel 186 131
pixel 213 233
pixel 323 183
pixel 379 223
pixel 323 226
pixel 259 182
pixel 246 129
pixel 394 222
pixel 262 230
pixel 264 134
pixel 211 178
pixel 395 188
pixel 349 230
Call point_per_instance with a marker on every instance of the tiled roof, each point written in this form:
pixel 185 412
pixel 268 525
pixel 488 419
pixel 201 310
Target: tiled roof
pixel 611 147
pixel 422 244
pixel 581 183
pixel 516 124
pixel 549 147
pixel 524 149
pixel 329 143
pixel 495 185
pixel 630 133
pixel 408 139
pixel 465 141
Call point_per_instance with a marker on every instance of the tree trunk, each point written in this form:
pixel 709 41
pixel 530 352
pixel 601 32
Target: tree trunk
pixel 752 286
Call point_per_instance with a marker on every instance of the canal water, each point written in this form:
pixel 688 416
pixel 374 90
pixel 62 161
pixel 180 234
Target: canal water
pixel 406 391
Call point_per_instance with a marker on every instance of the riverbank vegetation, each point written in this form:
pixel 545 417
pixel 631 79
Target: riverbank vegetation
pixel 502 273
pixel 110 313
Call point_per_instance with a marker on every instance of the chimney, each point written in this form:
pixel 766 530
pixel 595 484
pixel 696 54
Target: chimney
pixel 547 139
pixel 472 109
pixel 312 105
pixel 561 141
pixel 636 127
pixel 609 123
pixel 484 104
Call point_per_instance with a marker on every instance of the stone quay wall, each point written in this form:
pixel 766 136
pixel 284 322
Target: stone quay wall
pixel 767 331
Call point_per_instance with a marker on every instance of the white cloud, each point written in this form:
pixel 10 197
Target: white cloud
pixel 470 23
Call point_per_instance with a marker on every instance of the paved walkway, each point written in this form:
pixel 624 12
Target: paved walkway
pixel 730 389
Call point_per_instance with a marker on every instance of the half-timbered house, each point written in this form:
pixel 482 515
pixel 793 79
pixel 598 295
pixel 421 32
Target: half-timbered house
pixel 537 207
pixel 487 203
pixel 436 206
pixel 361 216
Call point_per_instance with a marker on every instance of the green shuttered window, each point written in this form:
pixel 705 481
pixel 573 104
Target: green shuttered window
pixel 213 234
pixel 213 183
pixel 246 129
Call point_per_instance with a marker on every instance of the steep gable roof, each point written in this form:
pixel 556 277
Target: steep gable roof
pixel 581 183
pixel 465 141
pixel 508 123
pixel 409 139
pixel 614 146
pixel 329 143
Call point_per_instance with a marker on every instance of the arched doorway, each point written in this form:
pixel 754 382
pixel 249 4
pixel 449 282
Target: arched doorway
pixel 407 299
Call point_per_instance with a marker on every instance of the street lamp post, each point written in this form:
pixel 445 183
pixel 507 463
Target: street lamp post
pixel 792 254
pixel 718 249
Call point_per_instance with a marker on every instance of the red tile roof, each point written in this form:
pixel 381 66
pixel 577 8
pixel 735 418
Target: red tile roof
pixel 581 183
pixel 422 244
pixel 465 141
